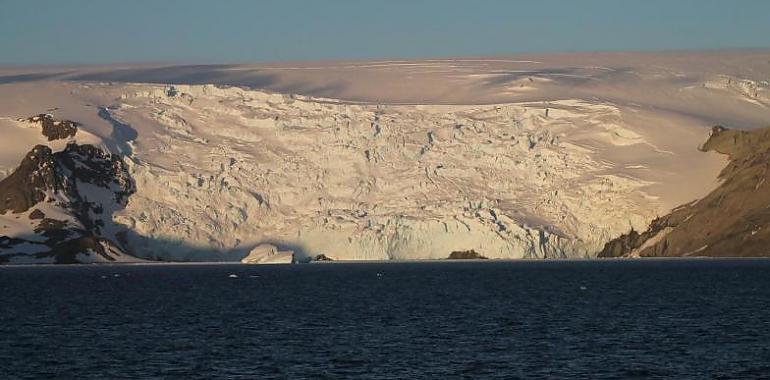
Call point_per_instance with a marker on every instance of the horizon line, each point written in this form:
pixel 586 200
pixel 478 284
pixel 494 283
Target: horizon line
pixel 384 58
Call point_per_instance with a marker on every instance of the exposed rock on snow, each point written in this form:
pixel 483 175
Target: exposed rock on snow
pixel 57 207
pixel 27 186
pixel 54 129
pixel 268 254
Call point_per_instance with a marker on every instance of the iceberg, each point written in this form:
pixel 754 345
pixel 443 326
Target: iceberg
pixel 268 254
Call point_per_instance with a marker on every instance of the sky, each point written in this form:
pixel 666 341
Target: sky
pixel 56 32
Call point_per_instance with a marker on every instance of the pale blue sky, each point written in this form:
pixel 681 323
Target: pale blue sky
pixel 231 31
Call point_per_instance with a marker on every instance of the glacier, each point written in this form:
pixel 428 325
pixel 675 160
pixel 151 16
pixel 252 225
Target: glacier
pixel 553 172
pixel 226 169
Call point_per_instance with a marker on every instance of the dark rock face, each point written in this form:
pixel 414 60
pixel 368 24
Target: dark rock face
pixel 627 243
pixel 731 221
pixel 26 186
pixel 322 257
pixel 82 182
pixel 91 165
pixel 67 251
pixel 55 129
pixel 42 170
pixel 465 255
pixel 36 214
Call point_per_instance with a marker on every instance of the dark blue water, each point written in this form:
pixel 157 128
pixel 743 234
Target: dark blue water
pixel 606 319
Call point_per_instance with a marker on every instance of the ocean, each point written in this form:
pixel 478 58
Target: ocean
pixel 437 320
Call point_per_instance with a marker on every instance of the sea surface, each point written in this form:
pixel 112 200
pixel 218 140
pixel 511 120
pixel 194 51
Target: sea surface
pixel 609 319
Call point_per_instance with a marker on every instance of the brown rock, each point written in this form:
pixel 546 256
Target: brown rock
pixel 731 221
pixel 465 255
pixel 55 129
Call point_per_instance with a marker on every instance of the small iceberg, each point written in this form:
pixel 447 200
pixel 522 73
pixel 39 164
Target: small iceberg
pixel 232 275
pixel 268 254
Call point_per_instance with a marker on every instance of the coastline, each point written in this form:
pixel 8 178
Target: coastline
pixel 395 262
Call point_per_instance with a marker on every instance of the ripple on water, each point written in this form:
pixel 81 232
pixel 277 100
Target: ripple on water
pixel 610 319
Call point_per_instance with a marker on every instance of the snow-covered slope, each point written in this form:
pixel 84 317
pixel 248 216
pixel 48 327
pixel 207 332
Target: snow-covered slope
pixel 556 173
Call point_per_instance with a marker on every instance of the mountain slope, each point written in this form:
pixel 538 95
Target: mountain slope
pixel 731 221
pixel 57 207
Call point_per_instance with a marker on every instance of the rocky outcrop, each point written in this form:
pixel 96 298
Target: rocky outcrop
pixel 465 255
pixel 57 207
pixel 27 186
pixel 731 221
pixel 54 129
